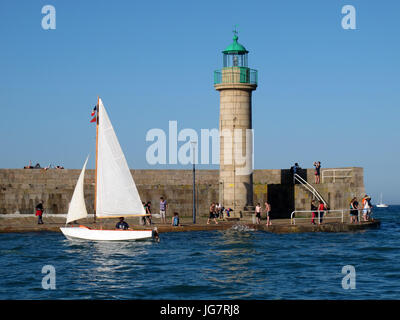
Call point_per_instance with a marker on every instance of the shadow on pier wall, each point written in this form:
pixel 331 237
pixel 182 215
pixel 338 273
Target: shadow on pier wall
pixel 249 190
pixel 287 176
pixel 281 196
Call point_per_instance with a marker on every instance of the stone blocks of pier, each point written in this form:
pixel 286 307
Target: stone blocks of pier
pixel 21 190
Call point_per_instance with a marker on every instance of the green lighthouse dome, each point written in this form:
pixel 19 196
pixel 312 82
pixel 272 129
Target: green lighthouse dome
pixel 235 47
pixel 235 55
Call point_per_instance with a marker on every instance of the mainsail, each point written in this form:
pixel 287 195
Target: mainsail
pixel 77 208
pixel 117 195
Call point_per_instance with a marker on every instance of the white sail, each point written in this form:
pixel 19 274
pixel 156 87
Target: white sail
pixel 77 208
pixel 117 195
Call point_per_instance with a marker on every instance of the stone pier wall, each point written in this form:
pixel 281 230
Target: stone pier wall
pixel 21 190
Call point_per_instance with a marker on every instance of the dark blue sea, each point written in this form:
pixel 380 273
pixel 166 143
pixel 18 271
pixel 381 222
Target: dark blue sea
pixel 233 264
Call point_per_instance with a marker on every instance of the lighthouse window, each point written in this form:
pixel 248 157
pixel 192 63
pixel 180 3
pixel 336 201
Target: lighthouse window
pixel 235 60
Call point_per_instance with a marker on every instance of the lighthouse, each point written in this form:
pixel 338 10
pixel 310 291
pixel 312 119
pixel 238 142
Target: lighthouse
pixel 235 83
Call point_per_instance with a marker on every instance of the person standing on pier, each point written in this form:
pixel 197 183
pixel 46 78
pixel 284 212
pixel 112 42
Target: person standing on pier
pixel 258 213
pixel 39 212
pixel 370 207
pixel 314 213
pixel 148 211
pixel 218 210
pixel 366 207
pixel 222 210
pixel 317 166
pixel 295 170
pixel 321 210
pixel 163 209
pixel 142 219
pixel 268 210
pixel 354 210
pixel 212 214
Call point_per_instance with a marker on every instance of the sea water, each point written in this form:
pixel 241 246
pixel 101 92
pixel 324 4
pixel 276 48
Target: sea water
pixel 235 264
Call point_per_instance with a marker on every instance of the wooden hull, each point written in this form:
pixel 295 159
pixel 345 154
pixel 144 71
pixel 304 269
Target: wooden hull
pixel 84 233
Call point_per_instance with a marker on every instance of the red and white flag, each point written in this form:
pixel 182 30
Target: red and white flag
pixel 94 114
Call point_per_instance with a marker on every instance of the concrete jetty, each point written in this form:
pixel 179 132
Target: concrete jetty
pixel 53 224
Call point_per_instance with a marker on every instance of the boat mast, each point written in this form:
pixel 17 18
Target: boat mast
pixel 97 144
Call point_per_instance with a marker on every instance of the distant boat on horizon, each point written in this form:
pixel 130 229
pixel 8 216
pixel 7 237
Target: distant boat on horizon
pixel 381 204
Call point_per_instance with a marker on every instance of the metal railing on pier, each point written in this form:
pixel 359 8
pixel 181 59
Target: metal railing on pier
pixel 336 174
pixel 310 188
pixel 327 214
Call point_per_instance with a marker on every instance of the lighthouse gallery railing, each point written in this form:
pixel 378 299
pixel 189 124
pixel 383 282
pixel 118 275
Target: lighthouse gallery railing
pixel 236 75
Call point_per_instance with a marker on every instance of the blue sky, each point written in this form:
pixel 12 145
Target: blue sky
pixel 324 93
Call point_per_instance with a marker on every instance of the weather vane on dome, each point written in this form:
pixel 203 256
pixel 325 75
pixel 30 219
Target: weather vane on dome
pixel 235 32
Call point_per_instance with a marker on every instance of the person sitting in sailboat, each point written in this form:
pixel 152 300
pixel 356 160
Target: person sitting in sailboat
pixel 122 225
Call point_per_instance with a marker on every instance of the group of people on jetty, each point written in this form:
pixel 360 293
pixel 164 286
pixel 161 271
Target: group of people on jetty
pixel 217 211
pixel 295 169
pixel 37 166
pixel 267 211
pixel 321 207
pixel 122 224
pixel 366 209
pixel 318 209
pixel 163 213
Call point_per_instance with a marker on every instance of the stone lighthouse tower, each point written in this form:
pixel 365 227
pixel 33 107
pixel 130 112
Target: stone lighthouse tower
pixel 235 83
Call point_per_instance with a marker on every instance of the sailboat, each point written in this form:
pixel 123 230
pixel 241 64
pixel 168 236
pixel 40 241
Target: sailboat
pixel 116 194
pixel 381 204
